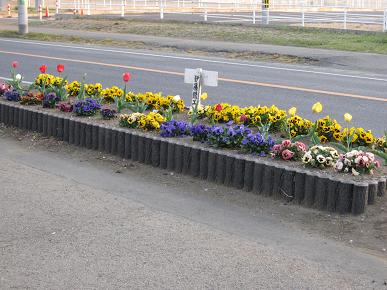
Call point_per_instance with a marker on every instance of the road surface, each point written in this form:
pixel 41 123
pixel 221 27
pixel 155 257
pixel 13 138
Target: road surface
pixel 364 95
pixel 70 222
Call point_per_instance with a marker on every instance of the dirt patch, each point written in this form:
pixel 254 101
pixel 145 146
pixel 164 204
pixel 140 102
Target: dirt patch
pixel 278 35
pixel 350 26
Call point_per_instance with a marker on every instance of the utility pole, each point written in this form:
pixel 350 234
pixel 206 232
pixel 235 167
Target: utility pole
pixel 22 17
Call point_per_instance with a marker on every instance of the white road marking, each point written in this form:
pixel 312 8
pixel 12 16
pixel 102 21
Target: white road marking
pixel 8 79
pixel 194 59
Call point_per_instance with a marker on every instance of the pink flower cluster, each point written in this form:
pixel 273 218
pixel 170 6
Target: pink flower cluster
pixel 357 162
pixel 288 150
pixel 4 88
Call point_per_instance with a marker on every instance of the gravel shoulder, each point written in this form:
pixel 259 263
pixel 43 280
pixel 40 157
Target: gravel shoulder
pixel 74 218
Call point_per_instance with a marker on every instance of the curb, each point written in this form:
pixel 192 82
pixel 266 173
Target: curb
pixel 231 169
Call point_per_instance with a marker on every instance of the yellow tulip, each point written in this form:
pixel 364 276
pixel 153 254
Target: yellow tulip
pixel 292 111
pixel 204 96
pixel 317 107
pixel 347 117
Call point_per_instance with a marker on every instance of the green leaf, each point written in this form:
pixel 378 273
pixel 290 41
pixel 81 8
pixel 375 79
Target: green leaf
pixel 299 137
pixel 339 146
pixel 381 155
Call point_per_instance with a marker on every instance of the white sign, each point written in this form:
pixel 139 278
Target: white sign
pixel 209 78
pixel 199 77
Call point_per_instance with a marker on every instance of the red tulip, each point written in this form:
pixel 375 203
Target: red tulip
pixel 126 77
pixel 60 68
pixel 218 107
pixel 43 69
pixel 15 64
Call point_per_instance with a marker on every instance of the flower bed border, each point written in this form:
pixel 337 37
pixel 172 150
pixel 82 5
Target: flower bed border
pixel 245 172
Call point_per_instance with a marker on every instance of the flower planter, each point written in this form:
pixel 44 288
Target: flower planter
pixel 261 176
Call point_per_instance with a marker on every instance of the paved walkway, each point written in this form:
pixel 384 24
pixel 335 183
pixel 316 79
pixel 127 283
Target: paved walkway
pixel 61 227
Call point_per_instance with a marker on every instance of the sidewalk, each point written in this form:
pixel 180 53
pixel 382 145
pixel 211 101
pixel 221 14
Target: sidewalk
pixel 354 61
pixel 75 221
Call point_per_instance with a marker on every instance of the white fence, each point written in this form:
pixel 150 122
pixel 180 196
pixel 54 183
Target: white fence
pixel 350 4
pixel 274 4
pixel 234 11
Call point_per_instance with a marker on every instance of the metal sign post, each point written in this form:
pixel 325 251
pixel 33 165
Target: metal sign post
pixel 197 88
pixel 22 17
pixel 198 78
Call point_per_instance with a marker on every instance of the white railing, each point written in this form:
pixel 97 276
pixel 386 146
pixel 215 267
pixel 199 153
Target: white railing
pixel 355 4
pixel 229 11
pixel 274 4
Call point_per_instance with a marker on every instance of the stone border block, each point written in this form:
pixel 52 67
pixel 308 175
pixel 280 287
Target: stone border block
pixel 223 167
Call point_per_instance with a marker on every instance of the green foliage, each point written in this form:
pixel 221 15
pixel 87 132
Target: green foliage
pixel 120 103
pixel 137 106
pixel 59 90
pixel 167 113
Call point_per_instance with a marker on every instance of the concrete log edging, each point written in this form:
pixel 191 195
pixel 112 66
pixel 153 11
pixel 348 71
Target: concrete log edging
pixel 229 168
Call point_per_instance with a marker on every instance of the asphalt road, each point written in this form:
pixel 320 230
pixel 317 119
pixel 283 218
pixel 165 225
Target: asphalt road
pixel 241 82
pixel 68 221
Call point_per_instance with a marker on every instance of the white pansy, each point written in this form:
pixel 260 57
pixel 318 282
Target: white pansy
pixel 329 161
pixel 354 172
pixel 321 159
pixel 306 158
pixel 18 77
pixel 176 98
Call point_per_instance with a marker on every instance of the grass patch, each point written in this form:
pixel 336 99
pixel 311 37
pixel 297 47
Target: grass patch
pixel 375 42
pixel 247 55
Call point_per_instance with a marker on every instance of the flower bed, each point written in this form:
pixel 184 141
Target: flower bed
pixel 258 157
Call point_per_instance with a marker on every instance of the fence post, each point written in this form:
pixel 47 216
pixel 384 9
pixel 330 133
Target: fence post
pixel 254 14
pixel 122 8
pixel 205 13
pixel 303 16
pixel 40 12
pixel 56 7
pixel 9 10
pixel 385 21
pixel 345 19
pixel 22 18
pixel 161 10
